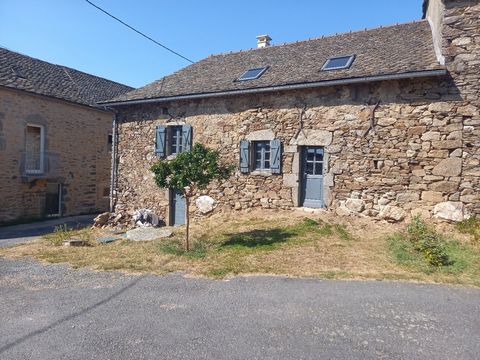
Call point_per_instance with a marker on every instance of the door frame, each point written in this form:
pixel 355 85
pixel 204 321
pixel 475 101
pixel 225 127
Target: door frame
pixel 59 187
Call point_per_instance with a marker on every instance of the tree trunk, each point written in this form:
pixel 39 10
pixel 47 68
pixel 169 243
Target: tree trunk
pixel 187 221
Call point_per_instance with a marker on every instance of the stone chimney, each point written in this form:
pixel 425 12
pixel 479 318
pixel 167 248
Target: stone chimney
pixel 433 11
pixel 263 41
pixel 452 22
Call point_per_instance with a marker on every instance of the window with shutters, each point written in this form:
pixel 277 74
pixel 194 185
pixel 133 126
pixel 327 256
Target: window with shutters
pixel 173 139
pixel 34 143
pixel 261 155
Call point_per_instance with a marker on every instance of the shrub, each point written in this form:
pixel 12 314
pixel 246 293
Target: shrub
pixel 428 242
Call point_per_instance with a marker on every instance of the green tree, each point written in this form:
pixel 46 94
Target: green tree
pixel 189 172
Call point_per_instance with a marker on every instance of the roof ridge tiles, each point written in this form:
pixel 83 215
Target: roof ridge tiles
pixel 321 37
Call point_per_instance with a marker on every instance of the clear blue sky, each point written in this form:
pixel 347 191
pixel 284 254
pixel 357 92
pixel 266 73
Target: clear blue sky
pixel 74 34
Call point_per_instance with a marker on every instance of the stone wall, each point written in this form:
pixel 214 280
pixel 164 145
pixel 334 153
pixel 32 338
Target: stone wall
pixel 393 148
pixel 77 154
pixel 461 48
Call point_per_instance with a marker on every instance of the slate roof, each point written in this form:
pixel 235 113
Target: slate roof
pixel 386 50
pixel 23 72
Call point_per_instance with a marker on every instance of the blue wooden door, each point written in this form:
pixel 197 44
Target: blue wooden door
pixel 178 208
pixel 312 177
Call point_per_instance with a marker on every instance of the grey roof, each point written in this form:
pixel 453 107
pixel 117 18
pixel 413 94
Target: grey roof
pixel 396 49
pixel 23 72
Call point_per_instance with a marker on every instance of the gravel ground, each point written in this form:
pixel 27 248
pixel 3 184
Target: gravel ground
pixel 53 312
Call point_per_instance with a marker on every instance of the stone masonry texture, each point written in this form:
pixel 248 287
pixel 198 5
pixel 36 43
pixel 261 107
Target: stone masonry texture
pixel 423 148
pixel 77 155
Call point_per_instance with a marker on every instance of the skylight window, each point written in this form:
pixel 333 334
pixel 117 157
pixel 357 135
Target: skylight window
pixel 18 72
pixel 252 74
pixel 340 62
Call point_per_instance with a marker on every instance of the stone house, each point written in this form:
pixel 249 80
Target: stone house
pixel 55 151
pixel 384 122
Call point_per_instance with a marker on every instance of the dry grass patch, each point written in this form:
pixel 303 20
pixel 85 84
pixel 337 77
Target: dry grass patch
pixel 291 243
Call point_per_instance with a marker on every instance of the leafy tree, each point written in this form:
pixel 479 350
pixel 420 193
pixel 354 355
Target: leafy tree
pixel 189 172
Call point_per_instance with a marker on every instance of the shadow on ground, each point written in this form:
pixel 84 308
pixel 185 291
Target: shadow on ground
pixel 10 235
pixel 257 238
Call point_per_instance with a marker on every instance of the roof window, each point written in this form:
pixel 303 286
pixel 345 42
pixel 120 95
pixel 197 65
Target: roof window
pixel 18 72
pixel 252 74
pixel 340 62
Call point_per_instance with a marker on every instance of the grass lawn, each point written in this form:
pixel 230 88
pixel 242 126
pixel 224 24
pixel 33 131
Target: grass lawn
pixel 292 243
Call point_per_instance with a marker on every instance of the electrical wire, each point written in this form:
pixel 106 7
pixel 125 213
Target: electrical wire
pixel 138 31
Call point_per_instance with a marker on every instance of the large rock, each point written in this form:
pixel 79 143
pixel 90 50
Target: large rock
pixel 432 196
pixel 355 205
pixel 449 210
pixel 313 138
pixel 148 234
pixel 444 186
pixel 392 213
pixel 342 210
pixel 101 219
pixel 448 167
pixel 406 197
pixel 205 204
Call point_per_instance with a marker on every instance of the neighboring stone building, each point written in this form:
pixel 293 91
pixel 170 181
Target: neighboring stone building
pixel 388 127
pixel 55 156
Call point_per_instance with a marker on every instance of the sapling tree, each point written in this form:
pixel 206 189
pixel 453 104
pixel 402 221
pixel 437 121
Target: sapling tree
pixel 190 172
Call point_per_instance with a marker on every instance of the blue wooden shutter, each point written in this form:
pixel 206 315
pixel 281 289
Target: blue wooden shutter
pixel 275 156
pixel 160 140
pixel 187 137
pixel 244 156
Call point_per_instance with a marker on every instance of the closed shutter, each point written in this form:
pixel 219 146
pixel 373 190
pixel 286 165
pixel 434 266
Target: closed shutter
pixel 160 140
pixel 187 137
pixel 244 156
pixel 276 156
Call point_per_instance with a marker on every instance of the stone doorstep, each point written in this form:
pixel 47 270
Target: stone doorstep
pixel 312 210
pixel 149 233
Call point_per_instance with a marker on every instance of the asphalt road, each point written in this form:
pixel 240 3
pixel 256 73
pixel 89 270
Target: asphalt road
pixel 52 312
pixel 16 234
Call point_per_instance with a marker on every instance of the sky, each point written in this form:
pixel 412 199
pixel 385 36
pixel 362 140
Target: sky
pixel 75 34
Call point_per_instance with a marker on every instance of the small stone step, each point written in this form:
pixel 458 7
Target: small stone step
pixel 148 234
pixel 74 242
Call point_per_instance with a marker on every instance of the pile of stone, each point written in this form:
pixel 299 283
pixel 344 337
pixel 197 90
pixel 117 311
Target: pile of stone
pixel 107 219
pixel 139 218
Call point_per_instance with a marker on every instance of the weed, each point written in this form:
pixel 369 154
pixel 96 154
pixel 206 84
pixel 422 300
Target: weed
pixel 342 232
pixel 428 242
pixel 470 226
pixel 310 222
pixel 59 235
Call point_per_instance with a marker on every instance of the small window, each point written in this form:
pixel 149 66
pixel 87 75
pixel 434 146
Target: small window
pixel 341 62
pixel 252 74
pixel 176 140
pixel 261 155
pixel 34 149
pixel 314 161
pixel 110 139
